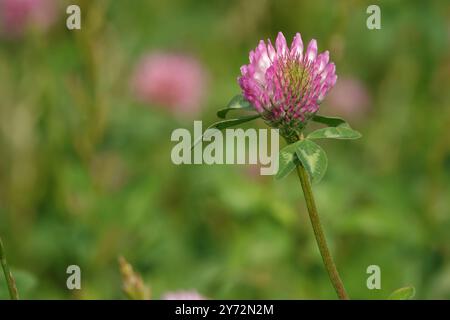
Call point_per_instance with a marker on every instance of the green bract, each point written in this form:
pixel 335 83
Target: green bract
pixel 406 293
pixel 237 103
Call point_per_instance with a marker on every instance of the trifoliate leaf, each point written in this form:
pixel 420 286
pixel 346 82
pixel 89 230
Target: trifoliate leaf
pixel 313 158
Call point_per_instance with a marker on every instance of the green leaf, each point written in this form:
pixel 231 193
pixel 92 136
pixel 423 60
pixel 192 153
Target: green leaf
pixel 337 129
pixel 342 131
pixel 287 159
pixel 226 124
pixel 237 103
pixel 313 159
pixel 232 122
pixel 406 293
pixel 329 121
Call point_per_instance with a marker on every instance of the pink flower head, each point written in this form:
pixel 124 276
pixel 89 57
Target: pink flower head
pixel 18 15
pixel 286 85
pixel 183 295
pixel 171 80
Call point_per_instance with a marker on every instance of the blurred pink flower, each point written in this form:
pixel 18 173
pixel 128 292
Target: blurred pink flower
pixel 175 81
pixel 349 99
pixel 286 84
pixel 16 16
pixel 183 295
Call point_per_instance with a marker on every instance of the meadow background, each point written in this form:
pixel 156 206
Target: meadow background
pixel 86 176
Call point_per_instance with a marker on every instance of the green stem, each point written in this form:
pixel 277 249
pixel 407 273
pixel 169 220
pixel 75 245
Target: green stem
pixel 320 237
pixel 8 275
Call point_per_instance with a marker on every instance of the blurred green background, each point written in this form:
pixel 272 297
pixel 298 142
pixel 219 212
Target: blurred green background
pixel 86 176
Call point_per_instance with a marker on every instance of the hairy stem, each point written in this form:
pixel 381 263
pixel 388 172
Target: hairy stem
pixel 320 237
pixel 8 275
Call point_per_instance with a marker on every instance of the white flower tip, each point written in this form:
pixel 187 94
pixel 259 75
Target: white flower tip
pixel 311 52
pixel 297 45
pixel 281 44
pixel 271 50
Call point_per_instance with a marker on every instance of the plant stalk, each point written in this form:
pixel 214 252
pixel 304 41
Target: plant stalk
pixel 11 283
pixel 320 237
